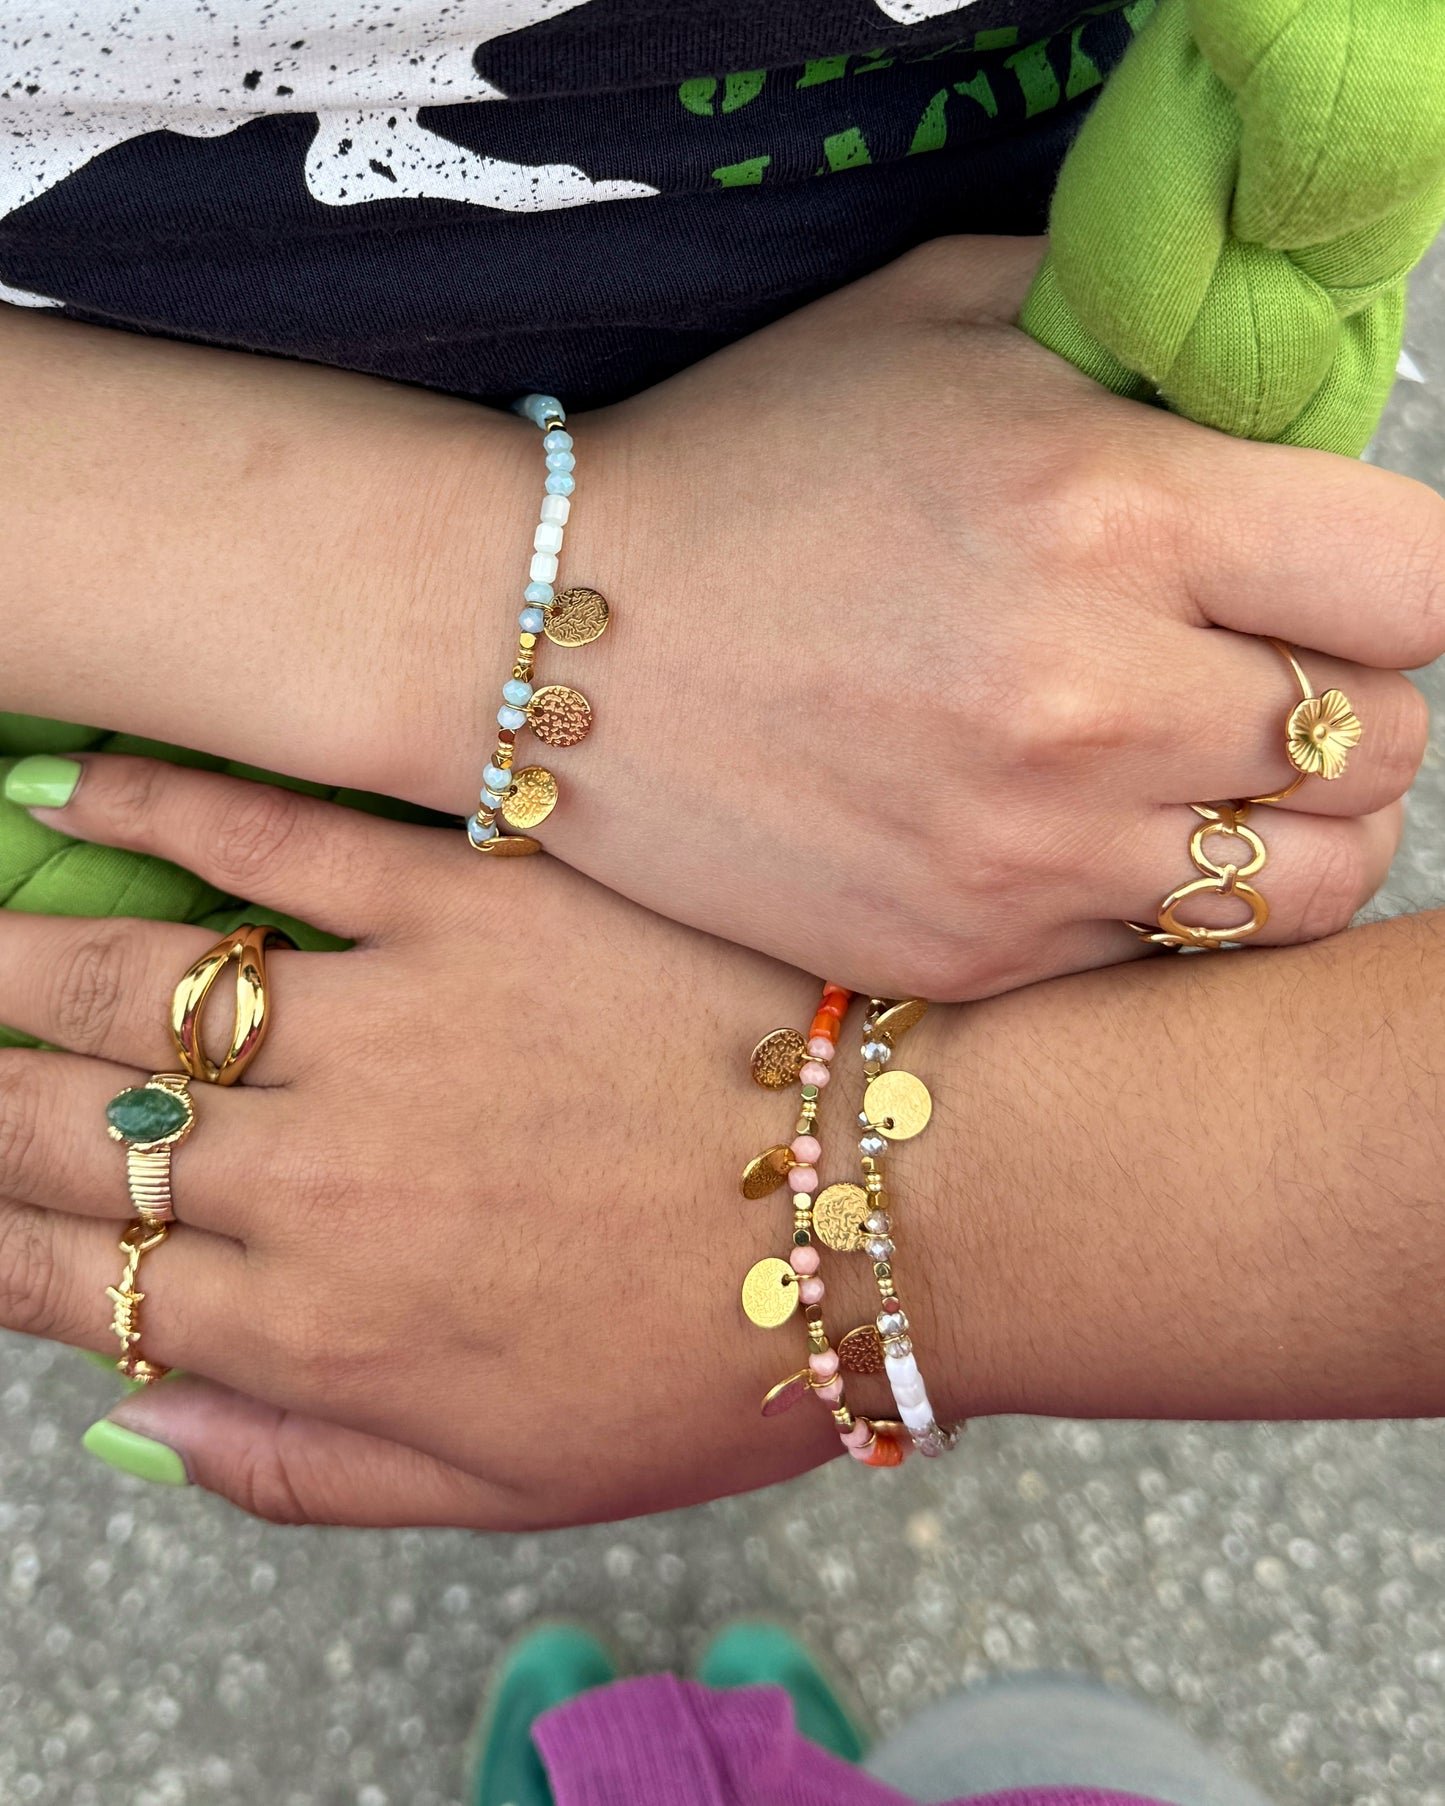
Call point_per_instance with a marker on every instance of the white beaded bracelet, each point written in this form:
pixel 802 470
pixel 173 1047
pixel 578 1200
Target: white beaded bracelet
pixel 514 801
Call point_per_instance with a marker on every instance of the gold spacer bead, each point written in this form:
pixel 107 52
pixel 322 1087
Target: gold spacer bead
pixel 874 1183
pixel 843 1417
pixel 527 641
pixel 502 758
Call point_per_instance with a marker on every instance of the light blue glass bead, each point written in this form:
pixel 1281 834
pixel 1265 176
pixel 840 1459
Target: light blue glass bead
pixel 538 592
pixel 562 460
pixel 532 620
pixel 479 831
pixel 512 718
pixel 491 799
pixel 539 409
pixel 559 483
pixel 518 693
pixel 496 779
pixel 557 440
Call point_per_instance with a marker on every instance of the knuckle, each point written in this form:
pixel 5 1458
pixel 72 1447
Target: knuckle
pixel 1398 742
pixel 1097 513
pixel 131 791
pixel 1059 719
pixel 30 1284
pixel 89 981
pixel 252 834
pixel 1336 883
pixel 1422 576
pixel 19 1126
pixel 264 1484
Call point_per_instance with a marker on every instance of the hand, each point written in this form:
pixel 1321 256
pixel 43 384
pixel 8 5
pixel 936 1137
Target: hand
pixel 465 1246
pixel 922 643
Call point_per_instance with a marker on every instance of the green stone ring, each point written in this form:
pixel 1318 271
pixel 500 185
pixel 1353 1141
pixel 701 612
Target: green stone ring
pixel 149 1120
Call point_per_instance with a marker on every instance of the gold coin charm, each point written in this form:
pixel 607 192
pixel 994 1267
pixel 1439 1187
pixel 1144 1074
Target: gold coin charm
pixel 559 715
pixel 770 1293
pixel 861 1350
pixel 531 798
pixel 507 846
pixel 898 1105
pixel 898 1018
pixel 576 617
pixel 787 1393
pixel 777 1058
pixel 838 1213
pixel 766 1172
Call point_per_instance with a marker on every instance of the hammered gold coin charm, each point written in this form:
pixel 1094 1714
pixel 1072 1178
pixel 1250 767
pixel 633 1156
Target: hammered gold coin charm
pixel 897 1105
pixel 770 1293
pixel 777 1059
pixel 838 1213
pixel 508 846
pixel 787 1393
pixel 576 617
pixel 766 1172
pixel 861 1350
pixel 898 1018
pixel 559 715
pixel 531 798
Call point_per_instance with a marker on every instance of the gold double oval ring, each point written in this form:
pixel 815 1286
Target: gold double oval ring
pixel 1320 733
pixel 151 1120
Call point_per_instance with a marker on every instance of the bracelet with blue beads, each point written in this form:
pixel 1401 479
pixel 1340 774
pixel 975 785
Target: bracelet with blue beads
pixel 515 800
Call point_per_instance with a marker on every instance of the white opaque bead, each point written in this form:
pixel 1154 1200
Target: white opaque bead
pixel 543 568
pixel 557 508
pixel 909 1392
pixel 548 537
pixel 916 1417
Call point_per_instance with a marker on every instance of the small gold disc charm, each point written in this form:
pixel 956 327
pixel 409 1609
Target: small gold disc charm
pixel 897 1105
pixel 787 1393
pixel 861 1350
pixel 531 798
pixel 770 1293
pixel 777 1058
pixel 559 715
pixel 766 1172
pixel 507 846
pixel 838 1213
pixel 576 617
pixel 899 1017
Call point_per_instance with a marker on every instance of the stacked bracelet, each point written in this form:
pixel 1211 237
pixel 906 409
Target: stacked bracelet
pixel 774 1288
pixel 519 800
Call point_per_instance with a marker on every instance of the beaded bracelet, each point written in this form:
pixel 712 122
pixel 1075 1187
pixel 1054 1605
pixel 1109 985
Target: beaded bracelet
pixel 557 714
pixel 896 1107
pixel 773 1288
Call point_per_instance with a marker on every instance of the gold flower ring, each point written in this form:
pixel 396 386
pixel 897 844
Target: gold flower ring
pixel 1319 734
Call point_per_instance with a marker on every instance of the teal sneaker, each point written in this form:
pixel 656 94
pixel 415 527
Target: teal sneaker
pixel 753 1654
pixel 548 1667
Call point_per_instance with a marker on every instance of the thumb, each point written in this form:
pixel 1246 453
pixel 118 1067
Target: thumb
pixel 284 1467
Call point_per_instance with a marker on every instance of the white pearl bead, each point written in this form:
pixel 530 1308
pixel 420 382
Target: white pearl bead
pixel 548 537
pixel 543 568
pixel 557 508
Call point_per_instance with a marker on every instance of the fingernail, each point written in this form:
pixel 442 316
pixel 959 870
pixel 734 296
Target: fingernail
pixel 133 1454
pixel 42 781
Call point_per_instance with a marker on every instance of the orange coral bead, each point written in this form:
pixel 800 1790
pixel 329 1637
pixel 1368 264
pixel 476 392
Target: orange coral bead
pixel 824 1025
pixel 886 1452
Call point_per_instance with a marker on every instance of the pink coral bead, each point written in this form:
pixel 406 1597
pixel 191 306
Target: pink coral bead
pixel 814 1072
pixel 810 1291
pixel 821 1048
pixel 824 1363
pixel 831 1393
pixel 805 1260
pixel 803 1178
pixel 807 1148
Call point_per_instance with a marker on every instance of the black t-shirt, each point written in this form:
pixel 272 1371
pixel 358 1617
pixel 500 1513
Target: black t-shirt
pixel 487 196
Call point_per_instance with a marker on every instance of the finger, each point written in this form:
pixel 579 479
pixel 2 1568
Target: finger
pixel 1314 548
pixel 288 1468
pixel 1317 874
pixel 1223 735
pixel 55 1152
pixel 54 1271
pixel 103 988
pixel 325 864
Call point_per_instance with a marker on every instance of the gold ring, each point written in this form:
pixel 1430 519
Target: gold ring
pixel 150 1120
pixel 1319 734
pixel 127 1298
pixel 246 949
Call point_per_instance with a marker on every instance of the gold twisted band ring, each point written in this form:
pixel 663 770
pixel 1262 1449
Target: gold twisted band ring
pixel 246 950
pixel 1319 734
pixel 152 1119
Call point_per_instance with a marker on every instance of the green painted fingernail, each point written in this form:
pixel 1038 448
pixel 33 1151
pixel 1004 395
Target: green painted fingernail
pixel 42 781
pixel 132 1454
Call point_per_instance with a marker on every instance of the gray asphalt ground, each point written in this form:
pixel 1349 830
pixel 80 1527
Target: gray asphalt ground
pixel 1279 1589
